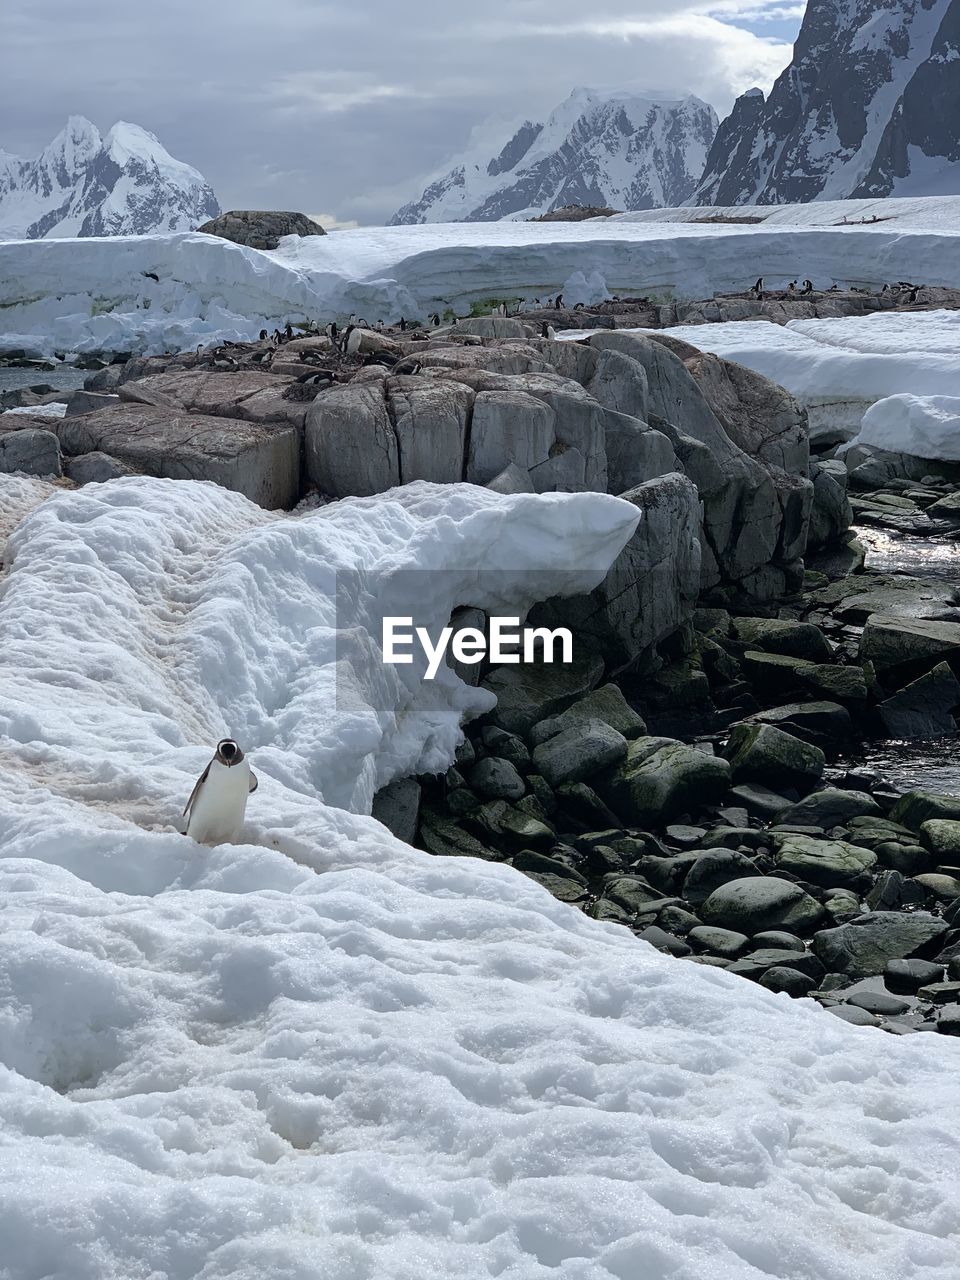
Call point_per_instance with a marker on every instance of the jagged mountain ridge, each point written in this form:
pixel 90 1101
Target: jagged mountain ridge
pixel 869 106
pixel 83 184
pixel 625 150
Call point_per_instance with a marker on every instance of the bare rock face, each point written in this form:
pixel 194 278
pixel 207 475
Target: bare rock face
pixel 260 461
pixel 260 228
pixel 32 450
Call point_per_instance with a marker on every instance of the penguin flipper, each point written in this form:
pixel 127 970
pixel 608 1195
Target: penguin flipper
pixel 254 782
pixel 196 788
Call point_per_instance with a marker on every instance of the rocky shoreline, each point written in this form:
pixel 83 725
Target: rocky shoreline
pixel 679 778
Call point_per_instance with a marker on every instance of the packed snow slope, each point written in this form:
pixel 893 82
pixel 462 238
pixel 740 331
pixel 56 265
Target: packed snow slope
pixel 85 185
pixel 320 1054
pixel 158 293
pixel 920 213
pixel 624 150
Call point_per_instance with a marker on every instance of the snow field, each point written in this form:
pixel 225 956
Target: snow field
pixel 321 1053
pixel 96 294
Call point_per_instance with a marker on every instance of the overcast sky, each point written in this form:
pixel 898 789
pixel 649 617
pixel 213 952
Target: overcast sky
pixel 344 108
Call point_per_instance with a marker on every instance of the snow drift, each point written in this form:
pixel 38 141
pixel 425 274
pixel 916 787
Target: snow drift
pixel 322 1053
pixel 159 293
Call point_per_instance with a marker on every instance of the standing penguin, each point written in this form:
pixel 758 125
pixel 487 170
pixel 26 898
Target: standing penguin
pixel 435 320
pixel 558 304
pixel 547 330
pixel 352 337
pixel 218 801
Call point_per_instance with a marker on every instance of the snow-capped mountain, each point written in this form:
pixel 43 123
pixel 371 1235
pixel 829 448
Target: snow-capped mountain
pixel 85 185
pixel 625 150
pixel 869 106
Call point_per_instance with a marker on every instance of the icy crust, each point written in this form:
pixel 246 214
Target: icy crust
pixel 100 293
pixel 323 1055
pixel 924 426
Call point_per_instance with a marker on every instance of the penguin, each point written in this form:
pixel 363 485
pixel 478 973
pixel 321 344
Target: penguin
pixel 264 335
pixel 288 331
pixel 807 286
pixel 435 320
pixel 403 324
pixel 578 306
pixel 152 275
pixel 277 337
pixel 408 366
pixel 758 287
pixel 331 331
pixel 547 330
pixel 264 357
pixel 559 302
pixel 379 326
pixel 382 358
pixel 502 309
pixel 352 337
pixel 218 801
pixel 310 357
pixel 323 377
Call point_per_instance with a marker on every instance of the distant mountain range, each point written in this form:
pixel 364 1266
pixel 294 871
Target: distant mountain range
pixel 869 106
pixel 83 184
pixel 628 151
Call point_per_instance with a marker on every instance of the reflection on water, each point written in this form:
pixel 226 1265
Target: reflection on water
pixel 889 552
pixel 928 764
pixel 64 378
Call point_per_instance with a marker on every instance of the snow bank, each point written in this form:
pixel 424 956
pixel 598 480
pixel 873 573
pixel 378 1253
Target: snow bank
pixel 923 213
pixel 57 409
pixel 924 426
pixel 323 1055
pixel 839 367
pixel 101 293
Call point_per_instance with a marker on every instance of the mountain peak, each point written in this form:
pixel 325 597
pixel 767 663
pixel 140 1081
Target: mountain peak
pixel 619 148
pixel 83 184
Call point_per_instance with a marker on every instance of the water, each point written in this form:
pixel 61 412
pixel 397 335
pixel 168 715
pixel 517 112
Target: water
pixel 927 764
pixel 64 378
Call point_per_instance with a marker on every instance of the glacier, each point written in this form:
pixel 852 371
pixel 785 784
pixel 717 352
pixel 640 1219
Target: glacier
pixel 320 1053
pixel 100 294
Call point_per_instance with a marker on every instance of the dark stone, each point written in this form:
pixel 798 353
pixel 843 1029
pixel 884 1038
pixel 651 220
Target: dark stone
pixel 260 228
pixel 863 947
pixel 906 977
pixel 792 982
pixel 712 868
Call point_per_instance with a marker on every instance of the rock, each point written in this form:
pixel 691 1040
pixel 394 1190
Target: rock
pixel 527 694
pixel 892 892
pixel 945 888
pixel 909 859
pixel 761 753
pixel 350 448
pixel 672 780
pixel 260 228
pixel 878 1002
pixel 509 428
pixel 783 979
pixel 678 921
pixel 651 588
pixel 948 1020
pixel 828 808
pixel 606 703
pixel 897 645
pixel 813 721
pixel 496 779
pixel 540 864
pixel 397 806
pixel 914 808
pixel 664 941
pixel 761 902
pixel 906 977
pixel 584 805
pixel 850 1013
pixel 512 479
pixel 796 639
pixel 633 893
pixel 445 838
pixel 924 708
pixel 769 957
pixel 942 837
pixel 780 672
pixel 430 424
pixel 32 452
pixel 260 461
pixel 842 905
pixel 722 942
pixel 83 401
pixel 685 837
pixel 831 513
pixel 494 327
pixel 579 752
pixel 712 868
pixel 864 946
pixel 760 802
pixel 466 619
pixel 828 863
pixel 94 468
pixel 779 939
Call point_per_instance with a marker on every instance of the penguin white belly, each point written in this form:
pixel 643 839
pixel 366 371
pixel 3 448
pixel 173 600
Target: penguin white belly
pixel 220 805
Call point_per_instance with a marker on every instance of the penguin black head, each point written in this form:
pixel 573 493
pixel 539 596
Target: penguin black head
pixel 228 752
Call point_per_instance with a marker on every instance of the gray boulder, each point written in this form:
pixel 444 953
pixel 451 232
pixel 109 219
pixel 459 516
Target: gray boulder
pixel 260 461
pixel 350 447
pixel 579 752
pixel 711 869
pixel 606 704
pixel 764 754
pixel 397 806
pixel 430 424
pixel 671 780
pixel 95 468
pixel 924 708
pixel 829 808
pixel 31 451
pixel 260 228
pixel 529 694
pixel 756 903
pixel 864 946
pixel 831 514
pixel 828 863
pixel 896 643
pixel 496 779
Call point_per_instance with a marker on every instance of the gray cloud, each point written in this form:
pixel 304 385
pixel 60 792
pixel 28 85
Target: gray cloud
pixel 346 107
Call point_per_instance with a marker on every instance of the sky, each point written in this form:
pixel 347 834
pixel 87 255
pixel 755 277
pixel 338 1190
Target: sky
pixel 343 109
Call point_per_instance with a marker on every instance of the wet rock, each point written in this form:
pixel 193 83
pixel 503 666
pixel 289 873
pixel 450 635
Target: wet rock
pixel 633 893
pixel 527 694
pixel 829 808
pixel 914 808
pixel 940 992
pixel 670 781
pixel 606 703
pixel 850 1013
pixel 828 863
pixel 762 902
pixel 897 645
pixel 679 921
pixel 778 938
pixel 579 752
pixel 713 868
pixel 863 947
pixel 782 673
pixel 942 837
pixel 761 753
pixel 442 836
pixel 878 1002
pixel 948 1020
pixel 943 887
pixel 795 639
pixel 893 892
pixel 906 977
pixel 584 805
pixel 664 941
pixel 924 708
pixel 759 801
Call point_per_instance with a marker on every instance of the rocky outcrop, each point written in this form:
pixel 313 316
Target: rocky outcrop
pixel 260 228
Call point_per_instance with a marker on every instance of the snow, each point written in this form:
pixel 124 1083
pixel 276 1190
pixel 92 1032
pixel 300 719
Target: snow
pixel 838 367
pixel 320 1053
pixel 925 426
pixel 920 213
pixel 96 294
pixel 55 410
